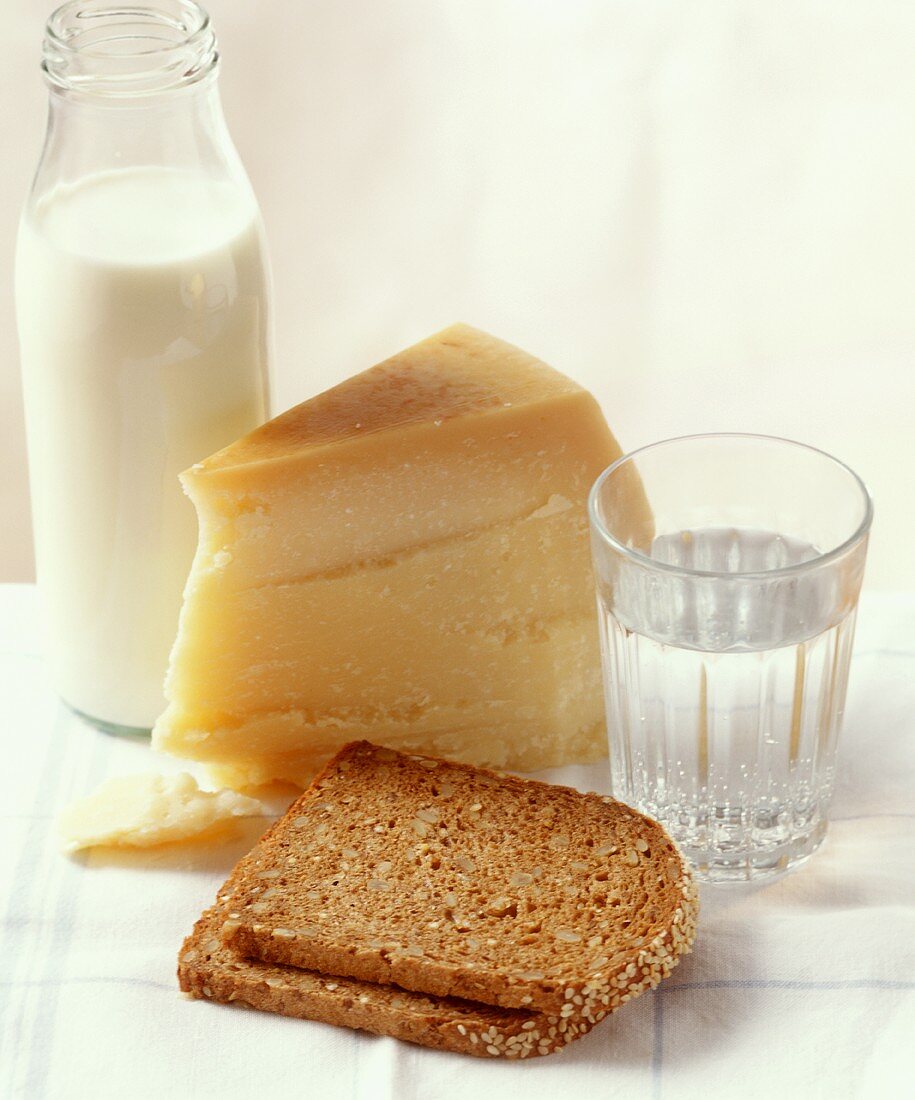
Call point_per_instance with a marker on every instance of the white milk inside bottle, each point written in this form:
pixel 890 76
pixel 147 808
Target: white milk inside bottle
pixel 142 303
pixel 139 294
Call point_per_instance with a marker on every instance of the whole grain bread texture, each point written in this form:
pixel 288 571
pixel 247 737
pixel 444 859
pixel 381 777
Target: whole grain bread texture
pixel 455 881
pixel 209 970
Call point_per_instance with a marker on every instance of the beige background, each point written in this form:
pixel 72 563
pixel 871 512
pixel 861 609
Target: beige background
pixel 704 211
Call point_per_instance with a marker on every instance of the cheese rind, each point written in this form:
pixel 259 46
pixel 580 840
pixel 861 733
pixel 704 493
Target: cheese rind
pixel 141 811
pixel 404 558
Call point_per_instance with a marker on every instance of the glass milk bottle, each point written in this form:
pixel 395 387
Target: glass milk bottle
pixel 142 298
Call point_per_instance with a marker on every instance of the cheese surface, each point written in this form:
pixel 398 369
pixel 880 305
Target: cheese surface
pixel 403 558
pixel 141 811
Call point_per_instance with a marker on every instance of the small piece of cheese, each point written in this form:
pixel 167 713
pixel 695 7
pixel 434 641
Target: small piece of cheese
pixel 140 811
pixel 405 559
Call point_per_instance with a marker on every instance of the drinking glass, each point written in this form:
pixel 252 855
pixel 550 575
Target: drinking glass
pixel 728 569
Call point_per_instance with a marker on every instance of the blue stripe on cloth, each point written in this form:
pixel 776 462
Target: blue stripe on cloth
pixel 657 1050
pixel 89 980
pixel 872 817
pixel 884 653
pixel 58 897
pixel 788 983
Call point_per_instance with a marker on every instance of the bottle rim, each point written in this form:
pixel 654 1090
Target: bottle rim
pixel 100 48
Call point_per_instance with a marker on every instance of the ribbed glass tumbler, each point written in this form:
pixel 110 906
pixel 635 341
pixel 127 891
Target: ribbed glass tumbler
pixel 728 569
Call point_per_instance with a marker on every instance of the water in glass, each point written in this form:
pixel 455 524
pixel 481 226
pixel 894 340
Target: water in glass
pixel 724 708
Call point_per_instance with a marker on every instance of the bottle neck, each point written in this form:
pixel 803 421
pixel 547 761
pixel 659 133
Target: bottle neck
pixel 105 54
pixel 133 86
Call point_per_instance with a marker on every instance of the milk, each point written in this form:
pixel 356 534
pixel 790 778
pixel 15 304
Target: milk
pixel 142 308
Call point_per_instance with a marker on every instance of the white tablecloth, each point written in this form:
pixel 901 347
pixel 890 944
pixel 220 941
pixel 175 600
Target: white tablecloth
pixel 804 987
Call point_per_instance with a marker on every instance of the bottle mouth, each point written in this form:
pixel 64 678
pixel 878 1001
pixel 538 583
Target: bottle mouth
pixel 100 49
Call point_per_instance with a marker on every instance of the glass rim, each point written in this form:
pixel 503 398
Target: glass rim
pixel 598 525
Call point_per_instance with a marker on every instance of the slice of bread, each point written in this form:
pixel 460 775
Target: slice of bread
pixel 455 881
pixel 209 970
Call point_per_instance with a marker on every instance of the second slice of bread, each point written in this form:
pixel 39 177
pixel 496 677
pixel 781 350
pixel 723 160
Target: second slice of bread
pixel 454 881
pixel 208 970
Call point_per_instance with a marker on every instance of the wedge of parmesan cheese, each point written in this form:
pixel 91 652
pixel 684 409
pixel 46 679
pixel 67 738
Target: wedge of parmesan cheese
pixel 141 811
pixel 405 559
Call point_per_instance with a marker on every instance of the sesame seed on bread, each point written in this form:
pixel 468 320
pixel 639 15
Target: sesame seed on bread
pixel 209 970
pixel 455 881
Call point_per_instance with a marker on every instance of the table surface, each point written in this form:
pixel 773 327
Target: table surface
pixel 801 987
